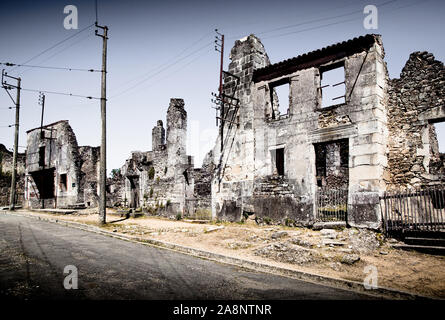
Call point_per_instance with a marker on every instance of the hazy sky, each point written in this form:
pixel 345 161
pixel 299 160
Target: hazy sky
pixel 160 50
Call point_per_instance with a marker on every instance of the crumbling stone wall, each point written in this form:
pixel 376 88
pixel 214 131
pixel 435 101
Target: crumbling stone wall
pixel 416 102
pixel 164 180
pixel 89 175
pixel 199 204
pixel 6 169
pixel 249 182
pixel 59 173
pixel 115 189
pixel 232 185
pixel 158 137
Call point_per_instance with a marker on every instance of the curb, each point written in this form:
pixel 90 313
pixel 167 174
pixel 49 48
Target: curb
pixel 337 283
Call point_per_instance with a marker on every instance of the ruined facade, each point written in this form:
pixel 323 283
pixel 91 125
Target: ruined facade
pixel 276 163
pixel 330 147
pixel 164 179
pixel 416 102
pixel 6 169
pixel 59 173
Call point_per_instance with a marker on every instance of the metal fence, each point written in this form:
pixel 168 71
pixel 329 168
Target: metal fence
pixel 414 210
pixel 332 204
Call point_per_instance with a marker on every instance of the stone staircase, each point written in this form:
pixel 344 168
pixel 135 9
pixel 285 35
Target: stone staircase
pixel 425 243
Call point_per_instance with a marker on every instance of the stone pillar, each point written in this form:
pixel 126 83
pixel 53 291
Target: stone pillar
pixel 158 136
pixel 176 134
pixel 177 160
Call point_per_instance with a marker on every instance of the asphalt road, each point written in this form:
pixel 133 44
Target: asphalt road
pixel 33 255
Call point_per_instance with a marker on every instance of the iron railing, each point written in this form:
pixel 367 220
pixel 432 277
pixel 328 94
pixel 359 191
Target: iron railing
pixel 332 204
pixel 414 210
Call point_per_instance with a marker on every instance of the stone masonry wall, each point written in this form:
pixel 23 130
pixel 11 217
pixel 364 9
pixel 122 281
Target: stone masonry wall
pixel 66 171
pixel 5 175
pixel 360 122
pixel 232 186
pixel 163 180
pixel 417 100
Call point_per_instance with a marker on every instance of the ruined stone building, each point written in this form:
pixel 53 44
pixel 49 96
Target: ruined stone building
pixel 343 134
pixel 281 158
pixel 165 178
pixel 59 173
pixel 6 169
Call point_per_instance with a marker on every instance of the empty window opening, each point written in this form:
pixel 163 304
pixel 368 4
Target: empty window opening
pixel 186 176
pixel 44 180
pixel 333 89
pixel 331 161
pixel 440 134
pixel 279 97
pixel 63 182
pixel 437 148
pixel 278 161
pixel 134 191
pixel 41 156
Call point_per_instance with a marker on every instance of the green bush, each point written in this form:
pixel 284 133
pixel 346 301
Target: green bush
pixel 151 173
pixel 178 216
pixel 115 173
pixel 289 222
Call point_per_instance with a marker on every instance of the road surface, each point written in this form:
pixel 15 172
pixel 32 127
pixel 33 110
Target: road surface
pixel 33 255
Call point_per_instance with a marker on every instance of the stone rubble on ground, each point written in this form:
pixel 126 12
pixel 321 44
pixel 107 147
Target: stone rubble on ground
pixel 279 234
pixel 350 259
pixel 211 229
pixel 287 252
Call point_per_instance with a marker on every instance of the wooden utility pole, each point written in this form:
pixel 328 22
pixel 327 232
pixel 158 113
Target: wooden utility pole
pixel 103 145
pixel 42 103
pixel 7 87
pixel 221 40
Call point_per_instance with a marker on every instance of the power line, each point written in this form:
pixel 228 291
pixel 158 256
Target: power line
pixel 9 64
pixel 174 57
pixel 55 45
pixel 339 22
pixel 60 51
pixel 316 20
pixel 95 6
pixel 312 28
pixel 61 93
pixel 297 17
pixel 163 69
pixel 175 72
